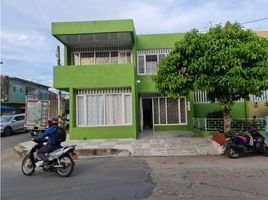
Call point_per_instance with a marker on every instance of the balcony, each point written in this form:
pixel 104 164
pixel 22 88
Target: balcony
pixel 94 76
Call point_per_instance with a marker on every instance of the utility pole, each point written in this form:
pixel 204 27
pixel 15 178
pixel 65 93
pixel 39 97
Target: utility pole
pixel 58 56
pixel 59 94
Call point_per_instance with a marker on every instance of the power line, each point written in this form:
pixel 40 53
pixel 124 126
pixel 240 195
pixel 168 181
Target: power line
pixel 256 20
pixel 40 15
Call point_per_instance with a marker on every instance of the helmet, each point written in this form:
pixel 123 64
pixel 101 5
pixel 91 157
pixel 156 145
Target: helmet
pixel 52 121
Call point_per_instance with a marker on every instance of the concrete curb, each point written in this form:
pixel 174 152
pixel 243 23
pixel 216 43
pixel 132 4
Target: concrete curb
pixel 155 146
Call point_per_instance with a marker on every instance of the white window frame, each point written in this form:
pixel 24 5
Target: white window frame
pixel 150 52
pixel 145 65
pixel 104 99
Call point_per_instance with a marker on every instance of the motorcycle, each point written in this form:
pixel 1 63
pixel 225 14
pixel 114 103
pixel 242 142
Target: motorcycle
pixel 60 160
pixel 238 144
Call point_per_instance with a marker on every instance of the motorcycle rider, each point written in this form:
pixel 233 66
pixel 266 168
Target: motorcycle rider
pixel 51 144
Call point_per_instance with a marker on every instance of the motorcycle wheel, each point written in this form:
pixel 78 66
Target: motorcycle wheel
pixel 68 166
pixel 27 166
pixel 233 153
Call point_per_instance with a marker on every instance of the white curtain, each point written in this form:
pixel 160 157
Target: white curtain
pixel 151 64
pixel 127 107
pixel 95 112
pixel 87 58
pixel 76 59
pixel 81 110
pixel 113 109
pixel 104 109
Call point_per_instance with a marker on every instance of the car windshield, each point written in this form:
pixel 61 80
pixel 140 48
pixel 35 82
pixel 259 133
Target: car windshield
pixel 5 118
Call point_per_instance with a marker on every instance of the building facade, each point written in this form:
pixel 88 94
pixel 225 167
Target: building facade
pixel 108 72
pixel 15 90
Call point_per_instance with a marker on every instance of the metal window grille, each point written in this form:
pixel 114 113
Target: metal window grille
pixel 211 124
pixel 167 110
pixel 201 97
pixel 103 91
pixel 101 55
pixel 153 51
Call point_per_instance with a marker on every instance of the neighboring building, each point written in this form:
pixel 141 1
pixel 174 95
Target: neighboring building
pixel 15 90
pixel 108 73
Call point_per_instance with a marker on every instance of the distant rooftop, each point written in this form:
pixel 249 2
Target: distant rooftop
pixel 26 81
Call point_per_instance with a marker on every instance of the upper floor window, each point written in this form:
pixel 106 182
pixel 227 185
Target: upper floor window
pixel 149 59
pixel 109 55
pixel 17 89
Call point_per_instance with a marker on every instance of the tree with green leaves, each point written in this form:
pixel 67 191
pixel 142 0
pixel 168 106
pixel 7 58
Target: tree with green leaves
pixel 228 63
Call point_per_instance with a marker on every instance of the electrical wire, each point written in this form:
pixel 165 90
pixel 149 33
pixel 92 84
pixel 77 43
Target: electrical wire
pixel 256 20
pixel 40 15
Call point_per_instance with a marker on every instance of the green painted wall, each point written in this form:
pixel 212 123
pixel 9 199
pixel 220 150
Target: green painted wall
pixel 17 96
pixel 146 83
pixel 151 41
pixel 105 132
pixel 67 55
pixel 86 27
pixel 190 113
pixel 98 76
pixel 93 76
pixel 239 110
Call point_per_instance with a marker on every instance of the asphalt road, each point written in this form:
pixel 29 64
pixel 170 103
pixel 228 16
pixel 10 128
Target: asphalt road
pixel 105 178
pixel 150 178
pixel 94 178
pixel 8 143
pixel 209 178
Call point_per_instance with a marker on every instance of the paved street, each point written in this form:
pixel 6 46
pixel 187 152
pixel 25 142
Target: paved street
pixel 8 143
pixel 209 178
pixel 150 178
pixel 102 178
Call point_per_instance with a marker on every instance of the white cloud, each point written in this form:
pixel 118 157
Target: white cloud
pixel 25 46
pixel 27 41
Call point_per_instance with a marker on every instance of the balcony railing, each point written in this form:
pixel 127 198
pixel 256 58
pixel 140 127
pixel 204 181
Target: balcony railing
pixel 211 124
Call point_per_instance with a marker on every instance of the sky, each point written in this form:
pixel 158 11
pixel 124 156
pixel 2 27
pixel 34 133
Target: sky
pixel 28 49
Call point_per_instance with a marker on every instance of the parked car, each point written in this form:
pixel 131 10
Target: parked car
pixel 10 124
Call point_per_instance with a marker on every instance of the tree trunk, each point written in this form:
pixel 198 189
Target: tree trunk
pixel 227 121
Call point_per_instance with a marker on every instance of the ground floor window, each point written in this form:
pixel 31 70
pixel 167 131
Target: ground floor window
pixel 169 111
pixel 103 107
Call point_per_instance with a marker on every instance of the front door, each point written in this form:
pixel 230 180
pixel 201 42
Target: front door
pixel 147 113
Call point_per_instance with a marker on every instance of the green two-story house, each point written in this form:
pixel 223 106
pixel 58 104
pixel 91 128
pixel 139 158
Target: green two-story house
pixel 108 73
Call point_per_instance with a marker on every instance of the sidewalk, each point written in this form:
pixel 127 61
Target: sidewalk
pixel 172 143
